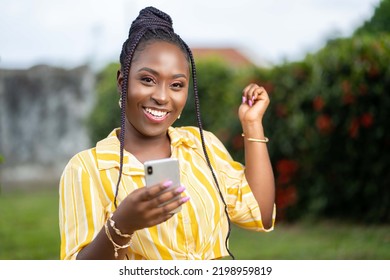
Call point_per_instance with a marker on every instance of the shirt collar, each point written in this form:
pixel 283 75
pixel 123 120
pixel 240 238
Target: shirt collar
pixel 108 156
pixel 179 138
pixel 108 152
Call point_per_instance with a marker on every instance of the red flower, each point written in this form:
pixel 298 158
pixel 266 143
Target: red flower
pixel 353 129
pixel 324 124
pixel 286 196
pixel 348 98
pixel 286 169
pixel 286 166
pixel 367 120
pixel 318 103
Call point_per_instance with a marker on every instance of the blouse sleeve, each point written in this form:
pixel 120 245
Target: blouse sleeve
pixel 243 208
pixel 81 213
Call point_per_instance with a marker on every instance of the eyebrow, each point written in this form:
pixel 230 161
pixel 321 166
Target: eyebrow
pixel 154 72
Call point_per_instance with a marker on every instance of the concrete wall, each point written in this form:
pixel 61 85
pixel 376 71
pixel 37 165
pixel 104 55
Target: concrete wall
pixel 42 114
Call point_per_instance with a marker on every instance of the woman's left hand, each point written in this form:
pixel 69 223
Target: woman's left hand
pixel 255 101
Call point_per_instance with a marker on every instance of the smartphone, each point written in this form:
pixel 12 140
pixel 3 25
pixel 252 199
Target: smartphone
pixel 161 170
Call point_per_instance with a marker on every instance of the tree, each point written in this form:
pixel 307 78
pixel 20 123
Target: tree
pixel 106 113
pixel 379 22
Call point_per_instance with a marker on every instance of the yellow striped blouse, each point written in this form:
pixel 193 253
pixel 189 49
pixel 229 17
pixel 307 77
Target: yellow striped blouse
pixel 198 231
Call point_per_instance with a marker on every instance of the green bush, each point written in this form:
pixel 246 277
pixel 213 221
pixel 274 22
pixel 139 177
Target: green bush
pixel 330 144
pixel 347 106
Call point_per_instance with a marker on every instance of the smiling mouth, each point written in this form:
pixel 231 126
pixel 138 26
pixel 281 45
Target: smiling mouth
pixel 156 114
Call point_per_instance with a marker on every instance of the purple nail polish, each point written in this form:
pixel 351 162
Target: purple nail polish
pixel 250 103
pixel 167 184
pixel 180 189
pixel 243 99
pixel 185 199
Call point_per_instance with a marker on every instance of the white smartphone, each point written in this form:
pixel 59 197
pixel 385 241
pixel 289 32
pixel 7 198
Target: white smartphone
pixel 160 170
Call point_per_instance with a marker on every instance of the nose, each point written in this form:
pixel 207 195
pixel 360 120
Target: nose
pixel 161 95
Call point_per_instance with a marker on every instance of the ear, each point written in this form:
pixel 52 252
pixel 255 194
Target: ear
pixel 119 81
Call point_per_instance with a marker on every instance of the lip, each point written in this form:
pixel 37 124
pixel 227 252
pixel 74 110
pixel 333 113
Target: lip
pixel 155 118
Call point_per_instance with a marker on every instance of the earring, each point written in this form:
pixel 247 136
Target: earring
pixel 179 117
pixel 120 102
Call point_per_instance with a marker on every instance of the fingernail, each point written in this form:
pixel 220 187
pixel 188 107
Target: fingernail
pixel 243 99
pixel 167 184
pixel 253 98
pixel 180 189
pixel 250 103
pixel 185 199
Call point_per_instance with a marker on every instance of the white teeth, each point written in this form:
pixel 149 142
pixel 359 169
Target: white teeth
pixel 156 113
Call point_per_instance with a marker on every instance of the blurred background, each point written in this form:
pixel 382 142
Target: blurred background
pixel 325 65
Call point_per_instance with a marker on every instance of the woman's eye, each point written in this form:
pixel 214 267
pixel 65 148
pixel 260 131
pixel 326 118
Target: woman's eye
pixel 177 85
pixel 147 80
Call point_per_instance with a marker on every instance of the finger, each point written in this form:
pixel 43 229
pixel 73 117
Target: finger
pixel 245 90
pixel 172 205
pixel 249 94
pixel 164 212
pixel 248 89
pixel 151 192
pixel 259 93
pixel 167 217
pixel 165 197
pixel 256 92
pixel 161 219
pixel 263 97
pixel 168 207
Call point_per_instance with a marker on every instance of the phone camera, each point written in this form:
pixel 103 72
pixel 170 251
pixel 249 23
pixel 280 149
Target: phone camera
pixel 150 170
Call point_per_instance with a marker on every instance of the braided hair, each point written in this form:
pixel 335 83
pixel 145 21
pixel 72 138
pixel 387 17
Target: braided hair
pixel 150 26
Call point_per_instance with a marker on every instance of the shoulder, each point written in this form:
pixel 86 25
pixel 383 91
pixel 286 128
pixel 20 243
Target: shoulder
pixel 90 156
pixel 193 133
pixel 82 160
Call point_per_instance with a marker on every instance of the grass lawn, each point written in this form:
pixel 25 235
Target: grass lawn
pixel 313 241
pixel 29 230
pixel 29 225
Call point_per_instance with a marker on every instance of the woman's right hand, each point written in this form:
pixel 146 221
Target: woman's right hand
pixel 143 208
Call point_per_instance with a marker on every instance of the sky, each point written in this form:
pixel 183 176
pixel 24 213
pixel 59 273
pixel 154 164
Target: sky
pixel 70 33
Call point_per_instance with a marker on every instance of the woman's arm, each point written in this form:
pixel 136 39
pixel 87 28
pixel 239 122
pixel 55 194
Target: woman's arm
pixel 258 168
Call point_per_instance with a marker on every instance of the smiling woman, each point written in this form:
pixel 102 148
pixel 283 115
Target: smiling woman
pixel 157 92
pixel 106 212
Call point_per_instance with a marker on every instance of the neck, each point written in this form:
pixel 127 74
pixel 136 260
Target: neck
pixel 147 147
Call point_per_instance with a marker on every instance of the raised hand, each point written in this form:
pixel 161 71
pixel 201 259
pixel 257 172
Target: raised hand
pixel 255 101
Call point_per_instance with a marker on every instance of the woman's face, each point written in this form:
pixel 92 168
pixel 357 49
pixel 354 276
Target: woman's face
pixel 157 88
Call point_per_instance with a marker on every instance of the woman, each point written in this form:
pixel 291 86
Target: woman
pixel 105 210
